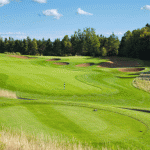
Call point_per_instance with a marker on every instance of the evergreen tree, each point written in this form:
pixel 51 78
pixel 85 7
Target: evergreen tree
pixel 126 44
pixel 29 42
pixel 6 45
pixel 74 41
pixel 49 48
pixel 113 45
pixel 66 45
pixel 11 44
pixel 34 47
pixel 147 25
pixel 25 47
pixel 17 46
pixel 57 47
pixel 1 45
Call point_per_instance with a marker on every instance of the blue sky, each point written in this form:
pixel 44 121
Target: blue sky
pixel 54 19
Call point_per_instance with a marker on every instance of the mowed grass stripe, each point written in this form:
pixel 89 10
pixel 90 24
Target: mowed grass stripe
pixel 86 125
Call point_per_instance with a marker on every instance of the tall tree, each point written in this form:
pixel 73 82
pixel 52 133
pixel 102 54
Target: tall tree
pixel 57 47
pixel 34 47
pixel 29 42
pixel 11 44
pixel 126 44
pixel 6 45
pixel 147 25
pixel 66 45
pixel 145 42
pixel 49 48
pixel 74 41
pixel 1 45
pixel 21 46
pixel 25 47
pixel 113 43
pixel 135 44
pixel 91 43
pixel 17 46
pixel 40 47
pixel 95 44
pixel 80 40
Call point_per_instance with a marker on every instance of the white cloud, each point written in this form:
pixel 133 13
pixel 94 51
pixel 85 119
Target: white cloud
pixel 11 33
pixel 40 1
pixel 81 12
pixel 115 33
pixel 52 12
pixel 20 37
pixel 146 7
pixel 119 33
pixel 4 2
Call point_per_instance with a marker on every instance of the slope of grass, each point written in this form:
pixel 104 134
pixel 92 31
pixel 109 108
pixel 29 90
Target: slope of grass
pixel 68 113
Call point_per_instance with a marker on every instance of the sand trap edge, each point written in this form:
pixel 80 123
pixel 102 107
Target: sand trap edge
pixel 131 69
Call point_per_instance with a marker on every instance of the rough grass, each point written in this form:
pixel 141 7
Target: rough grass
pixel 10 140
pixel 21 141
pixel 142 84
pixel 8 94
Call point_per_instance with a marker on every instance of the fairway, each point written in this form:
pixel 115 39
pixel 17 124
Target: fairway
pixel 44 106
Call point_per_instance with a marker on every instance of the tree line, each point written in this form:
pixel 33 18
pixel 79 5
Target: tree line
pixel 135 44
pixel 81 43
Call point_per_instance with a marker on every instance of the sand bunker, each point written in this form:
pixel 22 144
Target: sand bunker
pixel 23 57
pixel 131 69
pixel 114 63
pixel 8 94
pixel 53 59
pixel 62 63
pixel 85 65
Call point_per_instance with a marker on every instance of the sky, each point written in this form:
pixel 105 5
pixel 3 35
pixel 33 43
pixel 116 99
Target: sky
pixel 54 19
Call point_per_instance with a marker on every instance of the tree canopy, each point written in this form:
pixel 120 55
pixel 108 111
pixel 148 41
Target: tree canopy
pixel 135 44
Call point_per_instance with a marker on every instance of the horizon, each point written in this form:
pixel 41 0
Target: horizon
pixel 51 20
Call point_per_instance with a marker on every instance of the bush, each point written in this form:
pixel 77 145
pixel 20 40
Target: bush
pixel 69 54
pixel 18 53
pixel 6 52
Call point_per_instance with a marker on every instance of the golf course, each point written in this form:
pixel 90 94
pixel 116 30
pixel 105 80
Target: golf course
pixel 76 100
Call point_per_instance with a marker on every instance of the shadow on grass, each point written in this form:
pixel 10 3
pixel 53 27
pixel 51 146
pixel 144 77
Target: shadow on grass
pixel 146 111
pixel 124 77
pixel 135 73
pixel 146 63
pixel 26 98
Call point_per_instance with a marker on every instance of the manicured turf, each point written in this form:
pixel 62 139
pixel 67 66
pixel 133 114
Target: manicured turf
pixel 68 113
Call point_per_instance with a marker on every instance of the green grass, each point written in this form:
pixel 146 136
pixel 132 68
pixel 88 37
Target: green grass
pixel 68 114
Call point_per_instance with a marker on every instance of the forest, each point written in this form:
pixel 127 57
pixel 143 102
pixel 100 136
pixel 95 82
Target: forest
pixel 135 44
